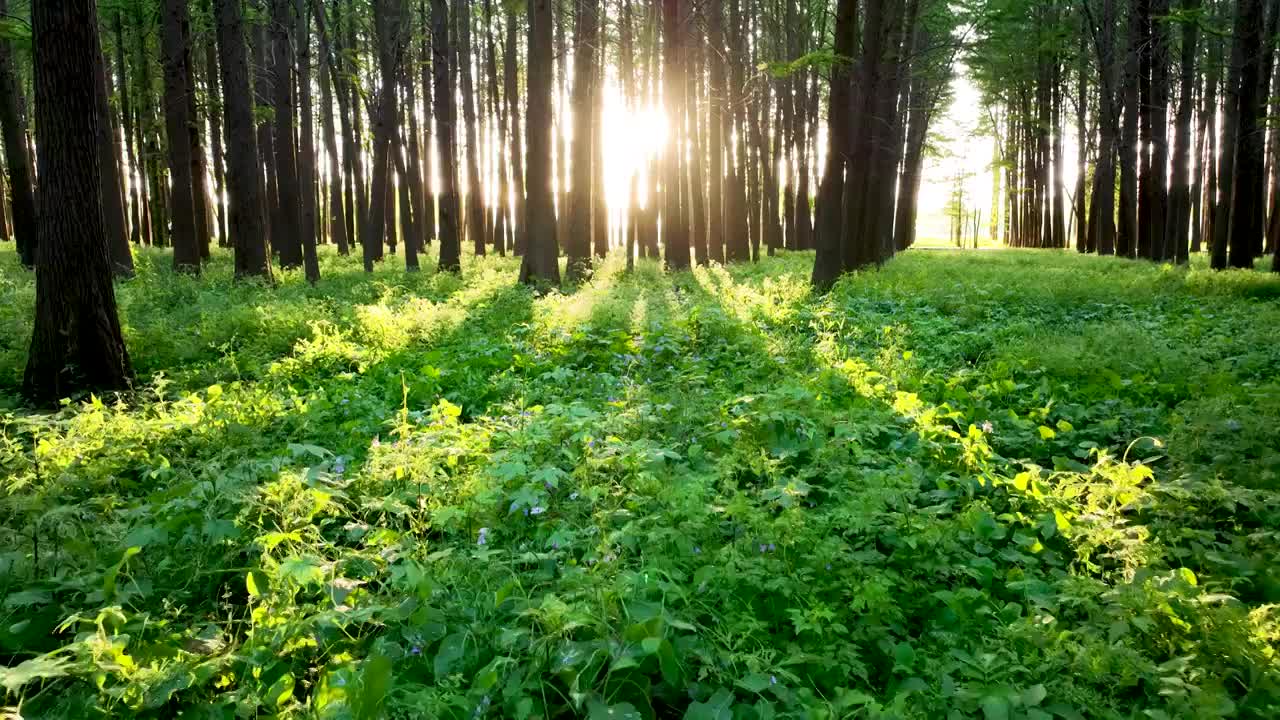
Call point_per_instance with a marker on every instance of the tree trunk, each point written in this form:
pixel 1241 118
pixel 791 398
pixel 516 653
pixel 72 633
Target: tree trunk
pixel 109 165
pixel 286 231
pixel 1178 224
pixel 266 141
pixel 215 134
pixel 513 134
pixel 186 251
pixel 475 196
pixel 450 244
pixel 1249 183
pixel 580 198
pixel 540 262
pixel 306 147
pixel 337 210
pixel 246 224
pixel 826 265
pixel 76 341
pixel 14 126
pixel 675 233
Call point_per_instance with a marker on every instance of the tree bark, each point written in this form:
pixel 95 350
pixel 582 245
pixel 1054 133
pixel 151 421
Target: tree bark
pixel 306 146
pixel 246 224
pixel 581 191
pixel 14 127
pixel 1249 183
pixel 1178 224
pixel 540 263
pixel 830 210
pixel 174 42
pixel 76 341
pixel 450 244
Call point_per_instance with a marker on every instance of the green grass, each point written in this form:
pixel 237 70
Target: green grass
pixel 999 484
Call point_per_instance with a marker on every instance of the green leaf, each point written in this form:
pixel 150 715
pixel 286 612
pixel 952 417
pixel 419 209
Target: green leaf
pixel 1187 576
pixel 717 708
pixel 995 708
pixel 38 668
pixel 597 710
pixel 668 664
pixel 755 682
pixel 281 690
pixel 375 682
pixel 257 583
pixel 451 651
pixel 109 578
pixel 1047 433
pixel 904 656
pixel 1034 695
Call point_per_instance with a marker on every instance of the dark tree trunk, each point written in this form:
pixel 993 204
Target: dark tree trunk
pixel 286 226
pixel 697 152
pixel 201 213
pixel 417 200
pixel 337 210
pixel 215 134
pixel 735 190
pixel 511 93
pixel 1178 224
pixel 266 142
pixel 109 165
pixel 599 209
pixel 76 342
pixel 428 195
pixel 387 27
pixel 581 194
pixel 830 210
pixel 1209 125
pixel 14 126
pixel 1248 186
pixel 450 243
pixel 1082 146
pixel 306 147
pixel 138 218
pixel 540 263
pixel 246 225
pixel 475 196
pixel 675 233
pixel 718 111
pixel 1127 229
pixel 186 250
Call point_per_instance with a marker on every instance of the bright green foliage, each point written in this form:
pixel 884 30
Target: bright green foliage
pixel 989 485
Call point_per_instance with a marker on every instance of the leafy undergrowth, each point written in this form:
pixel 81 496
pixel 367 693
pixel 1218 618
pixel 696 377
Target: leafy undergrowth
pixel 999 485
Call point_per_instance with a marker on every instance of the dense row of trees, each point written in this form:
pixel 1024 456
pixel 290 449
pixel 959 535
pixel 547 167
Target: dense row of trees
pixel 273 126
pixel 1170 103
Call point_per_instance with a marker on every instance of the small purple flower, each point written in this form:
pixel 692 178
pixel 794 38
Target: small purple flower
pixel 697 550
pixel 987 426
pixel 549 485
pixel 772 547
pixel 591 443
pixel 573 496
pixel 526 512
pixel 773 679
pixel 536 510
pixel 416 650
pixel 828 566
pixel 484 536
pixel 764 548
pixel 514 504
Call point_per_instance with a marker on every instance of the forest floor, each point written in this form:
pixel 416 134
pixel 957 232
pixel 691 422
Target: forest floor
pixel 1008 484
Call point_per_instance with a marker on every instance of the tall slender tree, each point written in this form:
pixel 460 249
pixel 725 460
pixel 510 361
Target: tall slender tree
pixel 245 224
pixel 76 341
